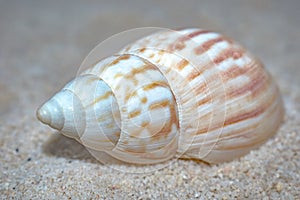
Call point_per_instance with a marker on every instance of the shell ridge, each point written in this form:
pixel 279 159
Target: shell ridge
pixel 116 87
pixel 191 93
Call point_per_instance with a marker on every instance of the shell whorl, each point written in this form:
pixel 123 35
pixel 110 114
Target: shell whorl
pixel 191 93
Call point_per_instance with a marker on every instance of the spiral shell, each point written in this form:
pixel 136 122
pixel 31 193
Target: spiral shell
pixel 190 93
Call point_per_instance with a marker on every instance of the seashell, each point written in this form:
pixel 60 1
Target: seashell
pixel 190 93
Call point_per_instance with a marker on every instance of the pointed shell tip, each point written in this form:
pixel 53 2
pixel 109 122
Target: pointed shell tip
pixel 43 115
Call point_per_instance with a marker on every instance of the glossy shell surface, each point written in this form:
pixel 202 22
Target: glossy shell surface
pixel 189 93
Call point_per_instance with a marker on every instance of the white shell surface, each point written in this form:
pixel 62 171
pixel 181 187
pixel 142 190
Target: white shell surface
pixel 192 92
pixel 227 100
pixel 149 124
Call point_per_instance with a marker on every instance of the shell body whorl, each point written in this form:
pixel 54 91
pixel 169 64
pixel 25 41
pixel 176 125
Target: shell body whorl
pixel 190 93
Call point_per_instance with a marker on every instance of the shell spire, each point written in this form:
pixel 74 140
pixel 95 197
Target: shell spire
pixel 190 93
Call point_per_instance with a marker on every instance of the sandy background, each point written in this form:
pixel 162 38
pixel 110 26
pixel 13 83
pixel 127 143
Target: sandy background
pixel 41 47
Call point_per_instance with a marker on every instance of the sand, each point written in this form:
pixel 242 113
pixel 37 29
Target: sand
pixel 41 47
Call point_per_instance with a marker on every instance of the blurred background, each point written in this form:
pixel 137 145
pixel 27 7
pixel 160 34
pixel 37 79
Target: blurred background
pixel 42 44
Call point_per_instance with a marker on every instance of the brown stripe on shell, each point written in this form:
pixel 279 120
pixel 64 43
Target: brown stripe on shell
pixel 118 75
pixel 129 95
pixel 205 100
pixel 166 130
pixel 153 85
pixel 233 72
pixel 258 82
pixel 161 52
pixel 142 50
pixel 134 113
pixel 232 120
pixel 196 33
pixel 241 116
pixel 207 45
pixel 182 64
pixel 253 113
pixel 144 124
pixel 91 79
pixel 110 126
pixel 121 57
pixel 243 132
pixel 141 148
pixel 158 104
pixel 200 88
pixel 103 117
pixel 194 74
pixel 244 116
pixel 128 48
pixel 230 52
pixel 100 98
pixel 131 75
pixel 169 69
pixel 117 135
pixel 144 100
pixel 199 70
pixel 179 44
pixel 152 55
